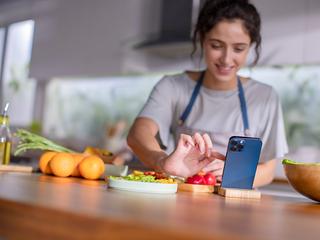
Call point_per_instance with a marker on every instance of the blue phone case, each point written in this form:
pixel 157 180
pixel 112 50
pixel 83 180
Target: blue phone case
pixel 241 163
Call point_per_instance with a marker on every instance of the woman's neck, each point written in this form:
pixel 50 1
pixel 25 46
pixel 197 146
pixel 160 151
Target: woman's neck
pixel 214 84
pixel 211 82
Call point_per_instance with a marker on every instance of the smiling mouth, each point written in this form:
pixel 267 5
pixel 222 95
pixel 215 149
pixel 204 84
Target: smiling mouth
pixel 224 69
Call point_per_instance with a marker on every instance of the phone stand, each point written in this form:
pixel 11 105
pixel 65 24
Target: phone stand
pixel 195 188
pixel 238 193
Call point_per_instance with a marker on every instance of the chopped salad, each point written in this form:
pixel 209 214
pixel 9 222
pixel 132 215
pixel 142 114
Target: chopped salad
pixel 150 176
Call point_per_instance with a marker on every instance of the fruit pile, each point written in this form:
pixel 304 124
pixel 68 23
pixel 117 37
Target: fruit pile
pixel 61 161
pixel 202 178
pixel 63 164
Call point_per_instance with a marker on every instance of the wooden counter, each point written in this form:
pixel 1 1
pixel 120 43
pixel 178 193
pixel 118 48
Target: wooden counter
pixel 34 206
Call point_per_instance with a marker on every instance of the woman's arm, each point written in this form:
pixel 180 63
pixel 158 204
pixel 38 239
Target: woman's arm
pixel 142 140
pixel 265 173
pixel 191 155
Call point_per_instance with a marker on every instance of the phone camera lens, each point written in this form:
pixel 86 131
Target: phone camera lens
pixel 236 145
pixel 240 147
pixel 233 142
pixel 233 148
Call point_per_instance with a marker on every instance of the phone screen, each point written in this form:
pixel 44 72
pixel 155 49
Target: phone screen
pixel 241 163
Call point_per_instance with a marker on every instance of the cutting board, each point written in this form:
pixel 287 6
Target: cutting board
pixel 15 168
pixel 196 188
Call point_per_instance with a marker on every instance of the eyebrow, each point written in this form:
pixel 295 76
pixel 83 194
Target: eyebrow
pixel 217 40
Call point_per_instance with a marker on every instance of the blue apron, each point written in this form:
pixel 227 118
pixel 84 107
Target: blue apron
pixel 219 139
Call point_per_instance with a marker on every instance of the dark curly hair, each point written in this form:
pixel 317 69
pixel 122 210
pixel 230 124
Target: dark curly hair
pixel 215 11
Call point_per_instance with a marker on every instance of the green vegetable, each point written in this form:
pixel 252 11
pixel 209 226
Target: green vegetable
pixel 30 140
pixel 138 178
pixel 288 161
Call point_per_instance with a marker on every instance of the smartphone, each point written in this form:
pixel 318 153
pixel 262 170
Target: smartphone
pixel 241 162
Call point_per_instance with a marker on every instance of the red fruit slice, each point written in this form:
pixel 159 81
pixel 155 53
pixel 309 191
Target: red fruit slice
pixel 196 179
pixel 209 179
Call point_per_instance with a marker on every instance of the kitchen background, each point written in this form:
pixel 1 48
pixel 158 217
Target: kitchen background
pixel 79 71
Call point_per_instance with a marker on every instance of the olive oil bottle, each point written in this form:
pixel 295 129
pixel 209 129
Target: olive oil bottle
pixel 5 137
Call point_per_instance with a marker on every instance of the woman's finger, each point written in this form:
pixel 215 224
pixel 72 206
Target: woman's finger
pixel 215 165
pixel 217 155
pixel 203 163
pixel 208 144
pixel 218 172
pixel 200 142
pixel 186 139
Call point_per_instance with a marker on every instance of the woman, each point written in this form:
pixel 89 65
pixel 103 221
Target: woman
pixel 195 107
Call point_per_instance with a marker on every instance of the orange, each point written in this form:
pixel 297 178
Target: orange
pixel 62 164
pixel 91 167
pixel 77 157
pixel 44 162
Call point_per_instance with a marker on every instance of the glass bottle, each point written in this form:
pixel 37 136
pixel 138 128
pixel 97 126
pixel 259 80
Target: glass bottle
pixel 5 137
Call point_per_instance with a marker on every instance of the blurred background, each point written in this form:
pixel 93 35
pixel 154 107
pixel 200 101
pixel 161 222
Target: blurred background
pixel 78 72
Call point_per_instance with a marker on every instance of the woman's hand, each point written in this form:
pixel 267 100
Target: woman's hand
pixel 215 167
pixel 191 155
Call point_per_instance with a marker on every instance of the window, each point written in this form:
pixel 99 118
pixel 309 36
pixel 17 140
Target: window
pixel 2 34
pixel 86 109
pixel 17 88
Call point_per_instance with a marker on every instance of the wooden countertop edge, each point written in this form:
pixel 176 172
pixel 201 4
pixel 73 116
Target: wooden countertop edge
pixel 26 221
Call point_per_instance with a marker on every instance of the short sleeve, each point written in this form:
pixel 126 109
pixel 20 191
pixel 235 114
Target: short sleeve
pixel 273 134
pixel 160 106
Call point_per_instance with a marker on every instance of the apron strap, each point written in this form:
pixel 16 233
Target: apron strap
pixel 242 100
pixel 194 95
pixel 243 106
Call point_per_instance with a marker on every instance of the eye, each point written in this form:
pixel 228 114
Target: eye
pixel 216 46
pixel 239 49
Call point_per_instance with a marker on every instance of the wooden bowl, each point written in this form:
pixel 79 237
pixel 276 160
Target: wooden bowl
pixel 305 178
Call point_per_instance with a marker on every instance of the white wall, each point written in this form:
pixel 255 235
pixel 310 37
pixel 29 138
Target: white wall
pixel 290 31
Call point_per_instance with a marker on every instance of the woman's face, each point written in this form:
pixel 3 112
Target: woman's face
pixel 226 48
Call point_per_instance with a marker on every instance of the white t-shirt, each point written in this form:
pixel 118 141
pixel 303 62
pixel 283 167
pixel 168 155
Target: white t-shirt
pixel 218 113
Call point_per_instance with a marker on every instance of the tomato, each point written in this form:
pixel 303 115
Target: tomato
pixel 151 173
pixel 159 175
pixel 206 179
pixel 209 179
pixel 196 179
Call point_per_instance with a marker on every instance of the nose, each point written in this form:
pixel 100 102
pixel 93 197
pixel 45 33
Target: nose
pixel 226 57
